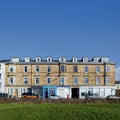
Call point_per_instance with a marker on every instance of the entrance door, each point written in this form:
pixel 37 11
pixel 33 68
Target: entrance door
pixel 75 92
pixel 46 92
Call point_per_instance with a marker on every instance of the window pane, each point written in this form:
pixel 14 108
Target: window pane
pixel 25 80
pixel 0 84
pixel 48 80
pixel 62 81
pixel 97 69
pixel 63 69
pixel 11 69
pixel 75 81
pixel 37 81
pixel 107 68
pixel 75 69
pixel 86 80
pixel 97 81
pixel 37 68
pixel 25 68
pixel 11 80
pixel 107 80
pixel 11 91
pixel 52 91
pixel 49 69
pixel 86 69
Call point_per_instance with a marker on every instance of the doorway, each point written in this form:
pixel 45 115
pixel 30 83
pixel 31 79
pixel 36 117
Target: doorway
pixel 75 92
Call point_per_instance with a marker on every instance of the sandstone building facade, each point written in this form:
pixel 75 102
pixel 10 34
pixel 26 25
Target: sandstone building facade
pixel 29 75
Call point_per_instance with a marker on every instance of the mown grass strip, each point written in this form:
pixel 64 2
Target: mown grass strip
pixel 59 112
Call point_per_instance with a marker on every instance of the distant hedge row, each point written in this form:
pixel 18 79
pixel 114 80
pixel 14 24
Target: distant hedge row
pixel 59 101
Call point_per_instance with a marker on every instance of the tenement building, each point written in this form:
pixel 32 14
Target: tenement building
pixel 67 78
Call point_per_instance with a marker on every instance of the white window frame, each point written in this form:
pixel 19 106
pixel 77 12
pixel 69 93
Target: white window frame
pixel 47 80
pixel 97 81
pixel 8 91
pixel 11 78
pixel 11 91
pixel 85 59
pixel 13 69
pixel 62 59
pixel 107 80
pixel 27 59
pixel 49 59
pixel 14 81
pixel 86 79
pixel 97 69
pixel 21 91
pixel 38 59
pixel 107 68
pixel 24 80
pixel 61 81
pixel 37 68
pixel 25 69
pixel 75 59
pixel 62 68
pixel 75 83
pixel 86 69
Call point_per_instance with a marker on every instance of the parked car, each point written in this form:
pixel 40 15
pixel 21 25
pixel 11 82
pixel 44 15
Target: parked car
pixel 29 95
pixel 113 97
pixel 54 97
pixel 3 95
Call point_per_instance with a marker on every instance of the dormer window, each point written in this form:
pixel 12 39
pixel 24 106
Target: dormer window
pixel 85 59
pixel 62 59
pixel 15 59
pixel 95 59
pixel 38 59
pixel 27 59
pixel 104 59
pixel 49 59
pixel 74 59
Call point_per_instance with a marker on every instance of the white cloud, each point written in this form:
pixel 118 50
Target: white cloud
pixel 117 73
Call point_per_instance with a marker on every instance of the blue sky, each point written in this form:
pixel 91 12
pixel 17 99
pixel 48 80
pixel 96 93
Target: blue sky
pixel 60 28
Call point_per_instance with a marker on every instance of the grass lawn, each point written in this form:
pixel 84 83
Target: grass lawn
pixel 59 112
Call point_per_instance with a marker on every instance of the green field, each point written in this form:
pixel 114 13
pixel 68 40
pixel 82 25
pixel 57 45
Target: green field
pixel 59 112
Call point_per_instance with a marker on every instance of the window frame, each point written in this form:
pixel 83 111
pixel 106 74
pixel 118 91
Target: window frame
pixel 74 80
pixel 97 69
pixel 75 68
pixel 62 81
pixel 86 79
pixel 37 69
pixel 107 80
pixel 36 80
pixel 48 69
pixel 26 78
pixel 48 80
pixel 25 68
pixel 86 69
pixel 107 68
pixel 11 78
pixel 97 79
pixel 62 68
